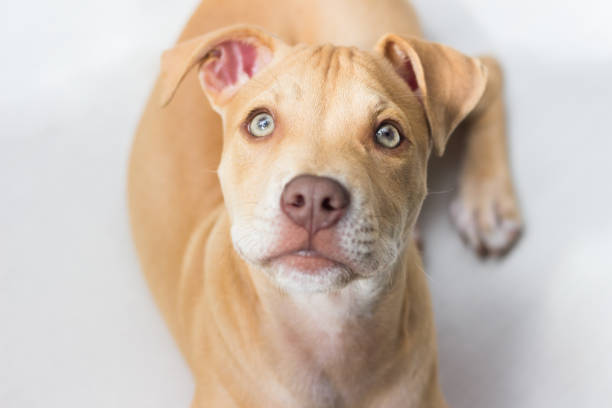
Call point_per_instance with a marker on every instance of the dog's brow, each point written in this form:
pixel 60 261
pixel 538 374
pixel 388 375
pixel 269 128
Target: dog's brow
pixel 278 90
pixel 382 104
pixel 379 106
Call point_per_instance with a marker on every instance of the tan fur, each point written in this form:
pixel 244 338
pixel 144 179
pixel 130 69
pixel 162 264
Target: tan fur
pixel 367 338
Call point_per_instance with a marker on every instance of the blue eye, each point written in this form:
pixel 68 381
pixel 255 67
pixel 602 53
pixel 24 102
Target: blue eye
pixel 388 136
pixel 261 125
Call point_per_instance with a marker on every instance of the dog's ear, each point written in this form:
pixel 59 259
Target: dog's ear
pixel 227 59
pixel 447 83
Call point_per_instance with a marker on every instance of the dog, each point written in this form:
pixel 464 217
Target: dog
pixel 274 183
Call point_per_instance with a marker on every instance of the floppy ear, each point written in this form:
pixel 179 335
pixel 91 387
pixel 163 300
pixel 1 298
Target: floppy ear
pixel 447 83
pixel 227 59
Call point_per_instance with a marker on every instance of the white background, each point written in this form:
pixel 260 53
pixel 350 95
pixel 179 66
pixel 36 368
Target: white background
pixel 77 324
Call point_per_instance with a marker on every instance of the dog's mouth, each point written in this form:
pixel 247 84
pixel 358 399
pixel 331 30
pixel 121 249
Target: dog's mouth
pixel 307 261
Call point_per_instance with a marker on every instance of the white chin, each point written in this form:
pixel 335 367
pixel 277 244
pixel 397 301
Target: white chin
pixel 297 281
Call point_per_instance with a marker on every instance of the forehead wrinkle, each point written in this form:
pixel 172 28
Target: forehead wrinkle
pixel 340 60
pixel 329 61
pixel 323 64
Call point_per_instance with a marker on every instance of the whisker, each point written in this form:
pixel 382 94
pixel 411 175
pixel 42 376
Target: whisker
pixel 441 192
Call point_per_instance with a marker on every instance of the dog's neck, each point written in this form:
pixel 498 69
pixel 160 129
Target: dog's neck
pixel 337 346
pixel 324 323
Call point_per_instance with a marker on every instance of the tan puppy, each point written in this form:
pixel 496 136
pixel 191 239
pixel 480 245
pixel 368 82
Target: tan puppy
pixel 289 277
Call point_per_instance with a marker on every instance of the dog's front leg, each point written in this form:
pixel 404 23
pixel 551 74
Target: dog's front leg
pixel 486 210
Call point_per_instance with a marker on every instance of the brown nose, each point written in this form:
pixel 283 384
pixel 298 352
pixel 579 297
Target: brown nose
pixel 314 203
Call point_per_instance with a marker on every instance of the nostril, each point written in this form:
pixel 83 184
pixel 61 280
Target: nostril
pixel 327 204
pixel 298 201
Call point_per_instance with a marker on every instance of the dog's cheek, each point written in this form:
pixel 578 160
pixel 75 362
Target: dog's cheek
pixel 258 230
pixel 235 172
pixel 404 190
pixel 228 187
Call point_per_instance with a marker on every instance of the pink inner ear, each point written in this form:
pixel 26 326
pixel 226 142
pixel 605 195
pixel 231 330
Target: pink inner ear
pixel 409 76
pixel 233 62
pixel 403 66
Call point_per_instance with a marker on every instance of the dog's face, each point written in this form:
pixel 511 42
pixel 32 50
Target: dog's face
pixel 340 115
pixel 325 152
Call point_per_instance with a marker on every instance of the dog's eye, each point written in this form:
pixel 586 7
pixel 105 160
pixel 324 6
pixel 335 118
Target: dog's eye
pixel 388 136
pixel 261 125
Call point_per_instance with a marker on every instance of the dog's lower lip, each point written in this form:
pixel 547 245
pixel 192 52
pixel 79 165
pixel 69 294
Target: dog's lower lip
pixel 304 253
pixel 306 261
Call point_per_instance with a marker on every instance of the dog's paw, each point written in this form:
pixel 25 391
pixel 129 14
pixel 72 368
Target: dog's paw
pixel 487 217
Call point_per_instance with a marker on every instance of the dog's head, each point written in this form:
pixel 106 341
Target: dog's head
pixel 325 150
